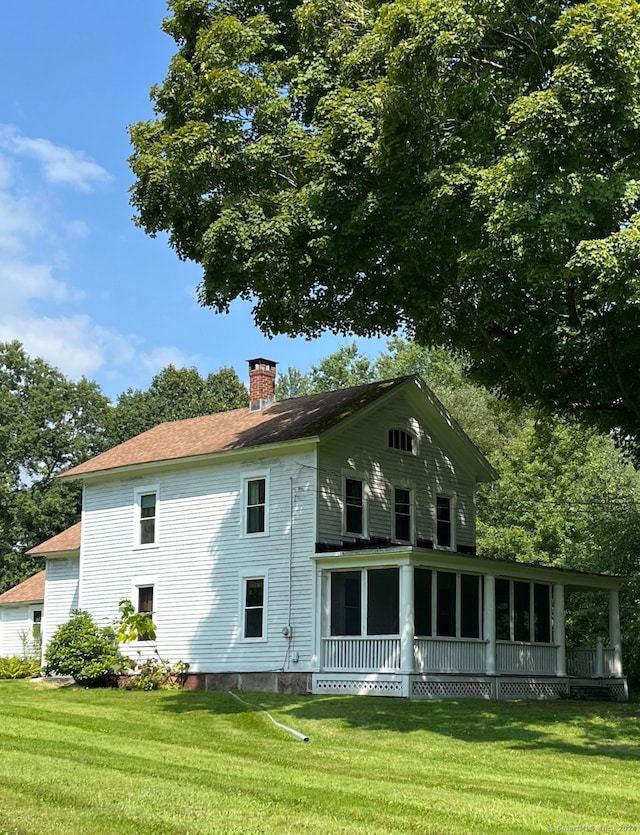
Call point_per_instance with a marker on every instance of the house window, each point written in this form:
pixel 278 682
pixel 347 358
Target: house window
pixel 36 629
pixel 147 518
pixel 354 506
pixel 253 607
pixel 523 611
pixel 256 505
pixel 402 514
pixel 145 606
pixel 444 522
pixel 381 601
pixel 401 440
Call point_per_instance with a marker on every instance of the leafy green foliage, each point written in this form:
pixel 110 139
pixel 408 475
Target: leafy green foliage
pixel 14 666
pixel 157 674
pixel 133 625
pixel 466 170
pixel 47 424
pixel 82 649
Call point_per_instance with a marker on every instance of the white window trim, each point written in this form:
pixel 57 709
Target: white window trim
pixel 439 494
pixel 137 507
pixel 244 497
pixel 355 476
pixel 404 427
pixel 412 511
pixel 144 582
pixel 258 574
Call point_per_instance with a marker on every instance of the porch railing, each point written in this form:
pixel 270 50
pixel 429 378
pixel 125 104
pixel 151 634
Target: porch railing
pixel 361 653
pixel 583 662
pixel 459 655
pixel 526 658
pixel 449 656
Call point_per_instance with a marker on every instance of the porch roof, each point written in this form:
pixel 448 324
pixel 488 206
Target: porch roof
pixel 571 579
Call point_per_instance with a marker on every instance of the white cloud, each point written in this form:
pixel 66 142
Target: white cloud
pixel 74 344
pixel 162 356
pixel 60 165
pixel 20 220
pixel 38 246
pixel 22 283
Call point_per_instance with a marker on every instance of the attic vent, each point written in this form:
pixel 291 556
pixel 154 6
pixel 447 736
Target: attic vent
pixel 262 383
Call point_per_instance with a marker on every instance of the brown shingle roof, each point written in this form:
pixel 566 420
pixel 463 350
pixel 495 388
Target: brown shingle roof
pixel 286 420
pixel 67 540
pixel 30 591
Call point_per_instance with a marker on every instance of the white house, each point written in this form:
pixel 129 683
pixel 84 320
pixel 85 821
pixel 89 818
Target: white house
pixel 21 610
pixel 325 544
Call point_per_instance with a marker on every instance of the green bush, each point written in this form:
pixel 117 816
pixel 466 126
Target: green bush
pixel 156 673
pixel 16 667
pixel 85 651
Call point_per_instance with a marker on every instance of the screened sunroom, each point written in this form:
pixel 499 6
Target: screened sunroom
pixel 424 623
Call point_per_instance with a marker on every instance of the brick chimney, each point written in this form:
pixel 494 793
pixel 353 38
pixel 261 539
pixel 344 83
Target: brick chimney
pixel 262 383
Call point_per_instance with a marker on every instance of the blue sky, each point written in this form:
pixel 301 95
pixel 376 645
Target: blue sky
pixel 80 285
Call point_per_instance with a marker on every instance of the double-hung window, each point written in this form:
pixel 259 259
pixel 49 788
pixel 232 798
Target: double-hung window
pixel 444 522
pixel 402 514
pixel 354 506
pixel 145 606
pixel 253 606
pixel 256 508
pixel 147 516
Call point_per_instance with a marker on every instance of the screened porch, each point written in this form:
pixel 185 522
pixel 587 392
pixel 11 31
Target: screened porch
pixel 445 618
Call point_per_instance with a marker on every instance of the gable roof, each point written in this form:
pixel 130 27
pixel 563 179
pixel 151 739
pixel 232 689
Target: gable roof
pixel 67 540
pixel 282 421
pixel 29 591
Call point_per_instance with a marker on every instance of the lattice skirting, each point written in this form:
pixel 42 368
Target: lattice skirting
pixel 426 689
pixel 618 690
pixel 358 687
pixel 454 687
pixel 523 689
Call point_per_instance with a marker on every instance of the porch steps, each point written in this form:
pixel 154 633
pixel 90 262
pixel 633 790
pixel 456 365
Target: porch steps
pixel 591 693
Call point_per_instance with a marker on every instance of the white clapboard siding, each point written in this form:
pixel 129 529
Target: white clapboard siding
pixel 16 625
pixel 60 594
pixel 362 448
pixel 201 557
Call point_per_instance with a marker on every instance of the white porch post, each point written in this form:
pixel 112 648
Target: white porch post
pixel 407 620
pixel 489 622
pixel 599 668
pixel 614 632
pixel 558 629
pixel 323 614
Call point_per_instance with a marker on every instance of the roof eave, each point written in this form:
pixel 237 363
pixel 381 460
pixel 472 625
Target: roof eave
pixel 200 460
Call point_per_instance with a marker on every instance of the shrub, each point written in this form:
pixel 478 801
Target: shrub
pixel 85 651
pixel 156 673
pixel 16 667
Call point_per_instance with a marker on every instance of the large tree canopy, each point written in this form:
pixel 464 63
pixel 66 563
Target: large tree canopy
pixel 466 169
pixel 47 424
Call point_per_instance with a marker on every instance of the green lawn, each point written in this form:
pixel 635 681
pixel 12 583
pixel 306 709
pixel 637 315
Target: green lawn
pixel 97 761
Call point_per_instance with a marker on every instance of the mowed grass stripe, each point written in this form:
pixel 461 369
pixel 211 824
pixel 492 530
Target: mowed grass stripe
pixel 107 761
